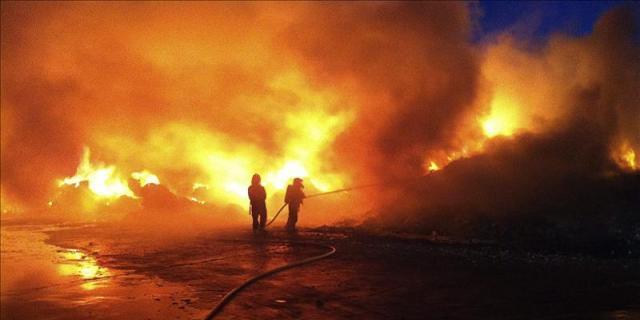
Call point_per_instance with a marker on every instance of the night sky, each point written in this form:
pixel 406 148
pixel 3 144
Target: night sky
pixel 537 20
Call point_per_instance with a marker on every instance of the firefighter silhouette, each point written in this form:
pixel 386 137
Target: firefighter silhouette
pixel 257 198
pixel 294 197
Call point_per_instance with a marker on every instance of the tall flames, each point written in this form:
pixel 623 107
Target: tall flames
pixel 102 180
pixel 222 165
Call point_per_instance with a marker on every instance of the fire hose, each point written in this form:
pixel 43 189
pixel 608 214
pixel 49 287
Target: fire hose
pixel 322 194
pixel 231 294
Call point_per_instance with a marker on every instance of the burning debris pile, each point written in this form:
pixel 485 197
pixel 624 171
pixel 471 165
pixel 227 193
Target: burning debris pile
pixel 569 182
pixel 179 105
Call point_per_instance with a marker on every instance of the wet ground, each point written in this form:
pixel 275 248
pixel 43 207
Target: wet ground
pixel 106 272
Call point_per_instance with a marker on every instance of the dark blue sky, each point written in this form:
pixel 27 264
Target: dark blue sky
pixel 538 19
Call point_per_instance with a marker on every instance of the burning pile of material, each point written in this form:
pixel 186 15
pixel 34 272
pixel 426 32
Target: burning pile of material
pixel 558 170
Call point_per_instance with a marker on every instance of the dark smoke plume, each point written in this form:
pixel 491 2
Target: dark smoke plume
pixel 412 64
pixel 555 189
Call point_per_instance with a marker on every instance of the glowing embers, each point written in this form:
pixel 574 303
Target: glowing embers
pixel 102 180
pixel 76 263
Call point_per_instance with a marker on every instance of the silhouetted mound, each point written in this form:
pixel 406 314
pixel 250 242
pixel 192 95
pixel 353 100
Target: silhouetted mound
pixel 536 192
pixel 163 210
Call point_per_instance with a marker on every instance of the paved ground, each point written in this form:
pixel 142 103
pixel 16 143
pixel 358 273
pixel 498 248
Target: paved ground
pixel 100 272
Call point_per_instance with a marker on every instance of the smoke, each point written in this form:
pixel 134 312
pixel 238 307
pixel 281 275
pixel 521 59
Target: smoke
pixel 211 93
pixel 410 66
pixel 555 185
pixel 186 91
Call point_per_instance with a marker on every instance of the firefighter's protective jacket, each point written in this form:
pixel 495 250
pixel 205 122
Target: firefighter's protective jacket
pixel 257 195
pixel 294 195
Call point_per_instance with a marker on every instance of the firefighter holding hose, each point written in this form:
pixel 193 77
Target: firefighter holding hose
pixel 293 197
pixel 257 198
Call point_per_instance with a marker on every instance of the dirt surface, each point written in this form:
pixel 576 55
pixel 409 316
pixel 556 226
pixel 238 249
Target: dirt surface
pixel 105 272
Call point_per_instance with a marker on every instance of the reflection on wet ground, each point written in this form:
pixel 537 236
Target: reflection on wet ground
pixel 79 264
pixel 89 275
pixel 102 273
pixel 41 281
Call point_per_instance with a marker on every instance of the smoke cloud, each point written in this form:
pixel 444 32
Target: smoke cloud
pixel 556 182
pixel 189 92
pixel 411 67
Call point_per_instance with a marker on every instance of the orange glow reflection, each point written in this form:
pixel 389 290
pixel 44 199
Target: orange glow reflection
pixel 78 264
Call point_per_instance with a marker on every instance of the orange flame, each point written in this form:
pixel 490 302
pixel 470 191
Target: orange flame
pixel 502 119
pixel 223 166
pixel 145 177
pixel 626 158
pixel 103 180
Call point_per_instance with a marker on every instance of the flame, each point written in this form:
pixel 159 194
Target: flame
pixel 432 167
pixel 199 185
pixel 630 158
pixel 145 177
pixel 502 119
pixel 626 158
pixel 282 177
pixel 103 180
pixel 313 131
pixel 438 160
pixel 493 127
pixel 224 165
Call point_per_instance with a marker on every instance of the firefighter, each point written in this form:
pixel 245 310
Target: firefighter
pixel 257 198
pixel 293 198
